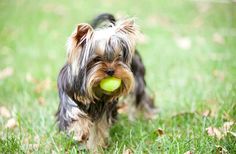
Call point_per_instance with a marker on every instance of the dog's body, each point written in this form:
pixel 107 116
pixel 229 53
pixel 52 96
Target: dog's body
pixel 94 53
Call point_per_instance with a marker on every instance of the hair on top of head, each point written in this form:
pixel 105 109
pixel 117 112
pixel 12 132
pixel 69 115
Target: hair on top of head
pixel 85 33
pixel 85 40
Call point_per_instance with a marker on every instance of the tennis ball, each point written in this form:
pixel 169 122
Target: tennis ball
pixel 110 84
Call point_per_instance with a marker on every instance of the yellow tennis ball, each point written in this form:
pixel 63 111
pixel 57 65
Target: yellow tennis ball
pixel 110 84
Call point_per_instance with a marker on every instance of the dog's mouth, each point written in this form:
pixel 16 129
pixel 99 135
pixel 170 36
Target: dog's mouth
pixel 110 84
pixel 110 87
pixel 100 92
pixel 109 93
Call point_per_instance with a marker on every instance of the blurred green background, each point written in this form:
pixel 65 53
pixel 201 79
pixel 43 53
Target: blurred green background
pixel 189 50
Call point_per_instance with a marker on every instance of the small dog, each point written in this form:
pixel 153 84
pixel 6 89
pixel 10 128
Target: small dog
pixel 104 48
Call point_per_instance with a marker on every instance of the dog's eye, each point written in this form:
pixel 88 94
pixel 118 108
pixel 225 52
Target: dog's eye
pixel 96 59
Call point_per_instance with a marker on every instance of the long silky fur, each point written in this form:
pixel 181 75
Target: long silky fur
pixel 77 78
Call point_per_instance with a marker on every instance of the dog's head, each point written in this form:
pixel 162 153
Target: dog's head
pixel 94 54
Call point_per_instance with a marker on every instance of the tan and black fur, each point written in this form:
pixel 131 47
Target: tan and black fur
pixel 94 53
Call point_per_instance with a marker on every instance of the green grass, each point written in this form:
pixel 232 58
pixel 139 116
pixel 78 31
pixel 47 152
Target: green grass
pixel 185 82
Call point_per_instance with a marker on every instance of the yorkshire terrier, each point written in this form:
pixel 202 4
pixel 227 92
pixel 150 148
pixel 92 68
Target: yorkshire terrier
pixel 96 51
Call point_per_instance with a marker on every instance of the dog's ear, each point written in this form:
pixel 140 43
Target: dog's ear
pixel 81 32
pixel 129 30
pixel 127 26
pixel 77 55
pixel 77 39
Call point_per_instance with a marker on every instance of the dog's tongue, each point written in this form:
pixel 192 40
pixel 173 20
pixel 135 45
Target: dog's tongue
pixel 110 84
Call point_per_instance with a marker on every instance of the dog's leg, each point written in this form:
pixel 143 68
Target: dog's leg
pixel 99 133
pixel 73 120
pixel 80 129
pixel 143 101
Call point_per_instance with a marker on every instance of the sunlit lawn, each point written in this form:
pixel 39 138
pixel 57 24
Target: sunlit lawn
pixel 188 47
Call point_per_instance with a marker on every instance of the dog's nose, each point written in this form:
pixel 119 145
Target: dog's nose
pixel 110 71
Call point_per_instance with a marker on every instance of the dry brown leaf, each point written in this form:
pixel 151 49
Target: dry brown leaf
pixel 183 42
pixel 43 85
pixel 127 151
pixel 30 78
pixel 219 133
pixel 41 101
pixel 221 150
pixel 218 38
pixel 11 123
pixel 215 132
pixel 209 112
pixel 4 112
pixel 188 152
pixel 227 126
pixel 206 113
pixel 160 132
pixel 6 72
